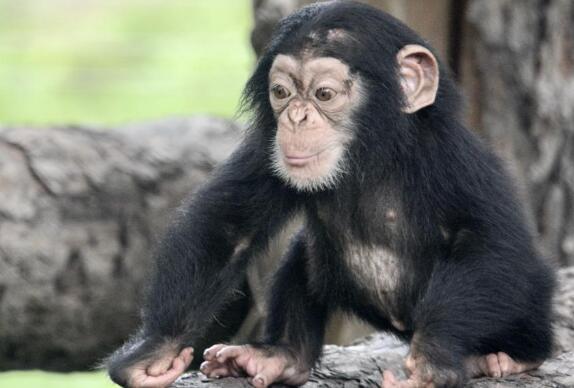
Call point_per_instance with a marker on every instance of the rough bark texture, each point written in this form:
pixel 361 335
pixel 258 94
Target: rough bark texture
pixel 79 213
pixel 524 52
pixel 564 312
pixel 362 364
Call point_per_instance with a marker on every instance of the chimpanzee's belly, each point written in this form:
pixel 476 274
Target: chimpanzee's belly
pixel 376 270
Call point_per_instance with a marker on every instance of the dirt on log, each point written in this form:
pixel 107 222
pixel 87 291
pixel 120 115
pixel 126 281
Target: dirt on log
pixel 362 364
pixel 80 210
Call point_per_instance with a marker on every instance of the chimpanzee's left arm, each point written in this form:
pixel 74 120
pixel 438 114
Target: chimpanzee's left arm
pixel 485 311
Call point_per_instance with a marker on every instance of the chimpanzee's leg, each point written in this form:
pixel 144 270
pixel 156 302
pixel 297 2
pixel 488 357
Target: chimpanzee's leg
pixel 293 335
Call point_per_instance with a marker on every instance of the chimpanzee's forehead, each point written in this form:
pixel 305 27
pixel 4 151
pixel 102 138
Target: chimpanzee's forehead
pixel 309 67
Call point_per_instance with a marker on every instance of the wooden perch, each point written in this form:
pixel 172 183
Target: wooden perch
pixel 362 363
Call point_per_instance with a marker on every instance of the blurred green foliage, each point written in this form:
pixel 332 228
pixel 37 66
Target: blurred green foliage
pixel 111 61
pixel 38 379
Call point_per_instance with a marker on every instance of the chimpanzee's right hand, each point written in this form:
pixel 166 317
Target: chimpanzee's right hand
pixel 135 365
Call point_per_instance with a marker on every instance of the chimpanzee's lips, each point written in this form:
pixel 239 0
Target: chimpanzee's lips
pixel 299 160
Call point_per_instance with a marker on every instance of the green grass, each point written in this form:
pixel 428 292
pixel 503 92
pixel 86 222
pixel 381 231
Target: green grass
pixel 37 379
pixel 108 62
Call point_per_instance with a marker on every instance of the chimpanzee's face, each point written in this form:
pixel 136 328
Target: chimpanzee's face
pixel 313 99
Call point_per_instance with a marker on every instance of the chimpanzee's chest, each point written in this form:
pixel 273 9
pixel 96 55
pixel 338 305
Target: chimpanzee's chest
pixel 367 244
pixel 377 272
pixel 376 268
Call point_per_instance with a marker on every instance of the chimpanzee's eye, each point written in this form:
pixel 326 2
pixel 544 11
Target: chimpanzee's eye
pixel 325 94
pixel 280 92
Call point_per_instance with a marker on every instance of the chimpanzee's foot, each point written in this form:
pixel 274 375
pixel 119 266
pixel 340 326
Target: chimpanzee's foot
pixel 263 366
pixel 497 365
pixel 422 374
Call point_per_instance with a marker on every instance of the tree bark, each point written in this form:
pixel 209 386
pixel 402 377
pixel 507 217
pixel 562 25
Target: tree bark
pixel 524 53
pixel 80 210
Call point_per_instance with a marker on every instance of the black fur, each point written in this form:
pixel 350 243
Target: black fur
pixel 471 280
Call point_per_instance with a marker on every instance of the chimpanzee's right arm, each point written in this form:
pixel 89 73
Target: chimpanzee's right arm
pixel 199 266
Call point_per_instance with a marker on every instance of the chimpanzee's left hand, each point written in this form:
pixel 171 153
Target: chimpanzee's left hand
pixel 262 366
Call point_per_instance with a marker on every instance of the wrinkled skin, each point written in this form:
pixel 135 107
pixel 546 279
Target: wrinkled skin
pixel 312 99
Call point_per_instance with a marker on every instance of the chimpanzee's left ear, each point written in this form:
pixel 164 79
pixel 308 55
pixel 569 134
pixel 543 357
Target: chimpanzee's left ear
pixel 419 75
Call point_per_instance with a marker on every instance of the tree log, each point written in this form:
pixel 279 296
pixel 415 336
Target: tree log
pixel 362 363
pixel 80 210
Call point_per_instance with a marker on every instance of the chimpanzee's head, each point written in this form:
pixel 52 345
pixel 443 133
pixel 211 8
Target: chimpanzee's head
pixel 337 74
